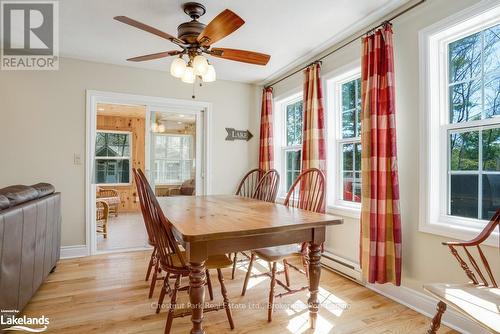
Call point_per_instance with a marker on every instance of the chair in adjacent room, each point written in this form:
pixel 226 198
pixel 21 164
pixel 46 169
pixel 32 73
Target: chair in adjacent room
pixel 101 220
pixel 110 196
pixel 173 261
pixel 307 193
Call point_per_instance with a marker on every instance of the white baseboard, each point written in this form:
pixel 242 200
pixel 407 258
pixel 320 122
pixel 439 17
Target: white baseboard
pixel 343 266
pixel 69 252
pixel 426 305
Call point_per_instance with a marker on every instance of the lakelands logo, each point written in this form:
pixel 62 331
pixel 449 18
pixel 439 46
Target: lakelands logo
pixel 24 323
pixel 30 35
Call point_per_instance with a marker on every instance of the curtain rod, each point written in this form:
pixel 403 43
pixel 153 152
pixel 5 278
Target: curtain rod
pixel 348 42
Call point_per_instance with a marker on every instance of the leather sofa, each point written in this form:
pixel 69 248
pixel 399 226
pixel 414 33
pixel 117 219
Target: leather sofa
pixel 30 234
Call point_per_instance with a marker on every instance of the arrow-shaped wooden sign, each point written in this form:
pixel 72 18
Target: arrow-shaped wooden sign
pixel 233 134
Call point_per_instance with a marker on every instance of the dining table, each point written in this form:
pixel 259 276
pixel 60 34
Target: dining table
pixel 223 224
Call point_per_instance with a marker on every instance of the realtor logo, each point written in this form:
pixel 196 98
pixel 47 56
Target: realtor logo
pixel 29 32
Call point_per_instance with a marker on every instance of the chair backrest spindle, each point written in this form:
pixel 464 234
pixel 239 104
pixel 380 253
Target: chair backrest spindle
pixel 267 188
pixel 308 191
pixel 249 183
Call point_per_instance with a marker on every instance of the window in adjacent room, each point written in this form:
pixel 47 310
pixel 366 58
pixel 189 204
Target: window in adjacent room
pixel 174 162
pixel 112 157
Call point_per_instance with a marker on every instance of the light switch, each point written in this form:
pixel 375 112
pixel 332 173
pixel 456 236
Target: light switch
pixel 77 159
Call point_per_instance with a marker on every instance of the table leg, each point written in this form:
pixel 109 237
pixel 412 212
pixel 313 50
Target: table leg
pixel 314 258
pixel 197 295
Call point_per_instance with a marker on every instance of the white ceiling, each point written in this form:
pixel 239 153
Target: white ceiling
pixel 289 30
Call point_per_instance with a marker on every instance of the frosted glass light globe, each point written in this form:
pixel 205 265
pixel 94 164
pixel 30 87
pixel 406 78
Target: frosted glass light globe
pixel 188 76
pixel 210 76
pixel 178 67
pixel 200 65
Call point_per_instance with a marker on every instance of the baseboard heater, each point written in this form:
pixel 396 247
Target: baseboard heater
pixel 342 266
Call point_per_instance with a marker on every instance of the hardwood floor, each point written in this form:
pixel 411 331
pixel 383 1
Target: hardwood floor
pixel 108 294
pixel 127 231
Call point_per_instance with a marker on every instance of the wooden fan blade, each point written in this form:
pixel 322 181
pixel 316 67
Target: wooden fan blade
pixel 222 25
pixel 155 56
pixel 145 27
pixel 241 55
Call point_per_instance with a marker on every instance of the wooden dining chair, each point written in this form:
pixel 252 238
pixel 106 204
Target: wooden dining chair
pixel 102 215
pixel 249 182
pixel 482 292
pixel 267 188
pixel 307 193
pixel 246 188
pixel 173 261
pixel 153 261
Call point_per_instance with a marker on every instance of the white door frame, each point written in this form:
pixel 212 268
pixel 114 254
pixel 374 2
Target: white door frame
pixel 151 103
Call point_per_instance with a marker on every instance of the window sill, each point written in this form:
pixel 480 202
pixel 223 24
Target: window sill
pixel 460 232
pixel 346 211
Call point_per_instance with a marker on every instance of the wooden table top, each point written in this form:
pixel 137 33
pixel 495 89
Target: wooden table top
pixel 202 218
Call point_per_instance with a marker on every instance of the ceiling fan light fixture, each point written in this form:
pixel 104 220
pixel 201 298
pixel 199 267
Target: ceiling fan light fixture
pixel 200 65
pixel 210 75
pixel 188 76
pixel 178 67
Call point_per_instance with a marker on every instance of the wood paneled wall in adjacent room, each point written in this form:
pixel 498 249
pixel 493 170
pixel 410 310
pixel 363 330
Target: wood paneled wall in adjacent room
pixel 137 126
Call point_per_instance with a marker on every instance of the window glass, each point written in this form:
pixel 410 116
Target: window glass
pixel 350 146
pixel 112 164
pixel 293 161
pixel 474 76
pixel 294 123
pixel 174 162
pixel 474 150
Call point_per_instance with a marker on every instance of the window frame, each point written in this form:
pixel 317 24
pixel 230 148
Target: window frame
pixel 192 149
pixel 436 127
pixel 281 147
pixel 334 82
pixel 129 158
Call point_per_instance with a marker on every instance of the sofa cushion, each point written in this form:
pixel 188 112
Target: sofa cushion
pixel 19 194
pixel 44 189
pixel 4 202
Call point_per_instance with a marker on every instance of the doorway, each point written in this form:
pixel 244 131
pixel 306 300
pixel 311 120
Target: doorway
pixel 166 138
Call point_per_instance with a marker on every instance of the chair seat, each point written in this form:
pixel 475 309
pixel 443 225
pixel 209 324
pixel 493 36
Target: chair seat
pixel 477 302
pixel 277 253
pixel 213 261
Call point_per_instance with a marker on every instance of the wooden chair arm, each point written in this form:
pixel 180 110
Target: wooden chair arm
pixel 485 233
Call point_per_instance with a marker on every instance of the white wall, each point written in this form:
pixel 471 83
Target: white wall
pixel 42 125
pixel 424 259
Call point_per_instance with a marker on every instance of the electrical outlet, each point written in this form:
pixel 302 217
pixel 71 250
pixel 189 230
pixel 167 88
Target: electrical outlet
pixel 77 159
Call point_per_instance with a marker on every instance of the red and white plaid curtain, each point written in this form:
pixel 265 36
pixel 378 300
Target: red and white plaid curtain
pixel 313 135
pixel 380 216
pixel 266 156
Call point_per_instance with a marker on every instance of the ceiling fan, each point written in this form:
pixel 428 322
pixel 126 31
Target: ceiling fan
pixel 196 39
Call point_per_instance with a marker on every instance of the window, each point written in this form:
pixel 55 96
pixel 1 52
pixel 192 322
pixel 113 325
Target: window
pixel 112 157
pixel 462 124
pixel 173 163
pixel 344 132
pixel 288 127
pixel 350 140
